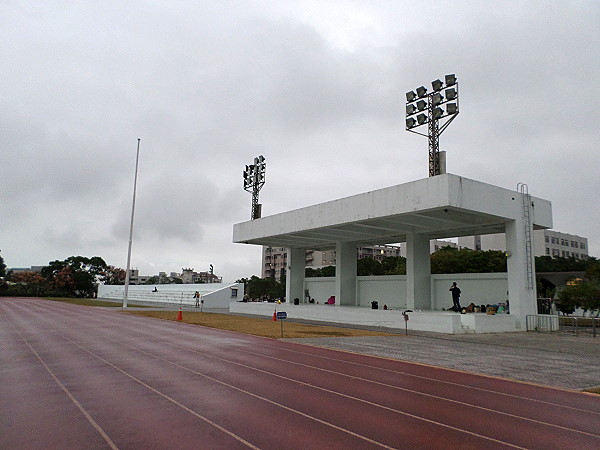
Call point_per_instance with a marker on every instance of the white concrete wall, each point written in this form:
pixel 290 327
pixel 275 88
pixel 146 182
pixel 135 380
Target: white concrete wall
pixel 390 290
pixel 215 295
pixel 478 288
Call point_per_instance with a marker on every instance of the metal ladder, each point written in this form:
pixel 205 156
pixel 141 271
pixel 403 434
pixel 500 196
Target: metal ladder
pixel 524 190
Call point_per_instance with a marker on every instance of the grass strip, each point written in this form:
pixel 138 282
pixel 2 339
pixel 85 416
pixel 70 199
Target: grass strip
pixel 258 327
pixel 86 302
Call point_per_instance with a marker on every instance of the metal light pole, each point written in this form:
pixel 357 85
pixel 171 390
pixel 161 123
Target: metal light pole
pixel 254 180
pixel 428 108
pixel 137 157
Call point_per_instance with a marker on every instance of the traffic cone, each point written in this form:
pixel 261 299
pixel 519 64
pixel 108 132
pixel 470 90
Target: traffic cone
pixel 275 316
pixel 179 315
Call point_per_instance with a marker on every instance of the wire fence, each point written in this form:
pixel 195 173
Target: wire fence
pixel 585 326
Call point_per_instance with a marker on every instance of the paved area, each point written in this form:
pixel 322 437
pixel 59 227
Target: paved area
pixel 551 359
pixel 79 377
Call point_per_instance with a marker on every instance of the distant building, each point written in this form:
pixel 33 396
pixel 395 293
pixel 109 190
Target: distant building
pixel 275 258
pixel 188 276
pixel 36 269
pixel 545 243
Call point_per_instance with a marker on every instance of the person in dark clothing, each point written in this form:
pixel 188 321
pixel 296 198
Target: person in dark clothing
pixel 455 297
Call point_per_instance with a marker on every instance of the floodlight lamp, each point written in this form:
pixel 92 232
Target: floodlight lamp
pixel 452 108
pixel 411 122
pixel 410 109
pixel 261 158
pixel 410 96
pixel 438 113
pixel 450 94
pixel 422 118
pixel 450 80
pixel 437 85
pixel 421 105
pixel 421 92
pixel 256 160
pixel 437 99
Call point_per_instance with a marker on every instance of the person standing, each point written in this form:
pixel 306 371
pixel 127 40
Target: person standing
pixel 455 297
pixel 197 297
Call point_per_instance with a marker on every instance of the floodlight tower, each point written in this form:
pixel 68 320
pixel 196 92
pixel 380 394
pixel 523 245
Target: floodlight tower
pixel 254 180
pixel 428 108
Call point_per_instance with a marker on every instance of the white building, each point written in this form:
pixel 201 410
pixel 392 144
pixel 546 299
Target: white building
pixel 545 243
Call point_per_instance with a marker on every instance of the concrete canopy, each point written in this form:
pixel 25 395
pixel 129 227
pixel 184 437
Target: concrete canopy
pixel 438 207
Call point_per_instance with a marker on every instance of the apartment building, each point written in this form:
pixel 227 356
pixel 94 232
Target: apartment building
pixel 275 258
pixel 545 243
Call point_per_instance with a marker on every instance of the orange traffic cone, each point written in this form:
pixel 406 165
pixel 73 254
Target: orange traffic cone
pixel 179 315
pixel 275 316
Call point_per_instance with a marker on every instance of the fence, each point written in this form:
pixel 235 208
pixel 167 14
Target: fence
pixel 575 325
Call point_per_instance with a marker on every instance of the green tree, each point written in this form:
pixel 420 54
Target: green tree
pixel 368 267
pixel 76 276
pixel 2 267
pixel 452 260
pixel 113 275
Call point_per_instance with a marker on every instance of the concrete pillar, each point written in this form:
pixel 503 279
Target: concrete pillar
pixel 418 272
pixel 522 299
pixel 294 282
pixel 345 274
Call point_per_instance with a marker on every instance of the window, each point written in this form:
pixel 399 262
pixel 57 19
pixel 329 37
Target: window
pixel 547 251
pixel 582 246
pixel 547 238
pixel 574 244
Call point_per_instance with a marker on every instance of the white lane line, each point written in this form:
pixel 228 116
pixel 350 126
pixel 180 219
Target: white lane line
pixel 487 391
pixel 483 408
pixel 224 384
pixel 423 377
pixel 71 397
pixel 318 388
pixel 165 396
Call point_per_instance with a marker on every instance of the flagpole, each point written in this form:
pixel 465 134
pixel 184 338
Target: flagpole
pixel 137 157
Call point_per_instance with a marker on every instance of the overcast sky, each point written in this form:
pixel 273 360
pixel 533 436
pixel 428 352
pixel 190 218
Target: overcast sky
pixel 317 87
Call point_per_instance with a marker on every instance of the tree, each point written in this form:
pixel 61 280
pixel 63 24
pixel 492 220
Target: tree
pixel 368 267
pixel 452 260
pixel 113 275
pixel 2 267
pixel 77 275
pixel 557 264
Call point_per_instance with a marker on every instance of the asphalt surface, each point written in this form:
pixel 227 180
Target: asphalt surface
pixel 80 377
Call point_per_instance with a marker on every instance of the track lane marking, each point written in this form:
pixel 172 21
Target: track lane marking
pixel 377 383
pixel 113 446
pixel 389 386
pixel 409 374
pixel 224 384
pixel 539 386
pixel 318 388
pixel 90 419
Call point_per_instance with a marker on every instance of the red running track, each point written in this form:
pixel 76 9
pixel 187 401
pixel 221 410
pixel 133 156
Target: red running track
pixel 78 377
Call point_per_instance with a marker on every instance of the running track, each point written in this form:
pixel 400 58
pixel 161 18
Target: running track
pixel 78 377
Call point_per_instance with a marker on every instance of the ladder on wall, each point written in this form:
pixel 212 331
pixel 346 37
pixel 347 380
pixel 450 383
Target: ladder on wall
pixel 524 190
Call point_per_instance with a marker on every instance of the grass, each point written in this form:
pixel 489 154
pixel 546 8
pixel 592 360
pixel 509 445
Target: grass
pixel 595 390
pixel 258 327
pixel 90 302
pixel 84 301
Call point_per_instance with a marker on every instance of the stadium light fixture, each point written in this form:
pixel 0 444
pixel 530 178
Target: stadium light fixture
pixel 428 108
pixel 254 180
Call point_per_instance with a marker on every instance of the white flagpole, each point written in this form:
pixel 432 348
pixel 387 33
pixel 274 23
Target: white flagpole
pixel 137 157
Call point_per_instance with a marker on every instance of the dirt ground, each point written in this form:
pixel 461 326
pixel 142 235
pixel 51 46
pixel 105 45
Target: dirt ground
pixel 258 327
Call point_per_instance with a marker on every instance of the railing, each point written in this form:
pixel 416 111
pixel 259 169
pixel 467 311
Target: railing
pixel 575 325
